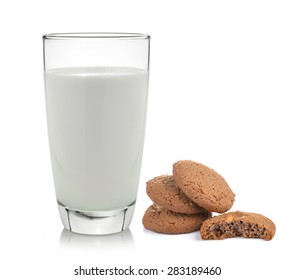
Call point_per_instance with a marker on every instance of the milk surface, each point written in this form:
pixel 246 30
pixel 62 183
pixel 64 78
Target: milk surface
pixel 96 126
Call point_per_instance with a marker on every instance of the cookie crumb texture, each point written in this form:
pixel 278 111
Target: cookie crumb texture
pixel 238 224
pixel 203 185
pixel 161 220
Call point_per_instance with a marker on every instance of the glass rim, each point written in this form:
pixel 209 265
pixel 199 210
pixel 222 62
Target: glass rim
pixel 95 35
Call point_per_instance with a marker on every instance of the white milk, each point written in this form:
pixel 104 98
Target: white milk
pixel 96 125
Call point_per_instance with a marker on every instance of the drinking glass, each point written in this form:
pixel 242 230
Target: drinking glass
pixel 96 90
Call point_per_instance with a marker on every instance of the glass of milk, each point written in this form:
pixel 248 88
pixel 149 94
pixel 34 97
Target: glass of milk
pixel 96 88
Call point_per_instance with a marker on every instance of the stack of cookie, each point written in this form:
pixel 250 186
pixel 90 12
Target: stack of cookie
pixel 184 203
pixel 184 200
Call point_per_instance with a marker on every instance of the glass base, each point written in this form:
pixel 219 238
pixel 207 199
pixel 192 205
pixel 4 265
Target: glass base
pixel 96 222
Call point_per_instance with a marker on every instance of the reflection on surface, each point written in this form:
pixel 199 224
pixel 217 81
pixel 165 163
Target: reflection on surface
pixel 70 239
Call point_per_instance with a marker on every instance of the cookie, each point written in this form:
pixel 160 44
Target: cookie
pixel 163 191
pixel 162 220
pixel 203 185
pixel 234 224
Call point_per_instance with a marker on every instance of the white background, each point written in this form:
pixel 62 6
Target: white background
pixel 221 86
